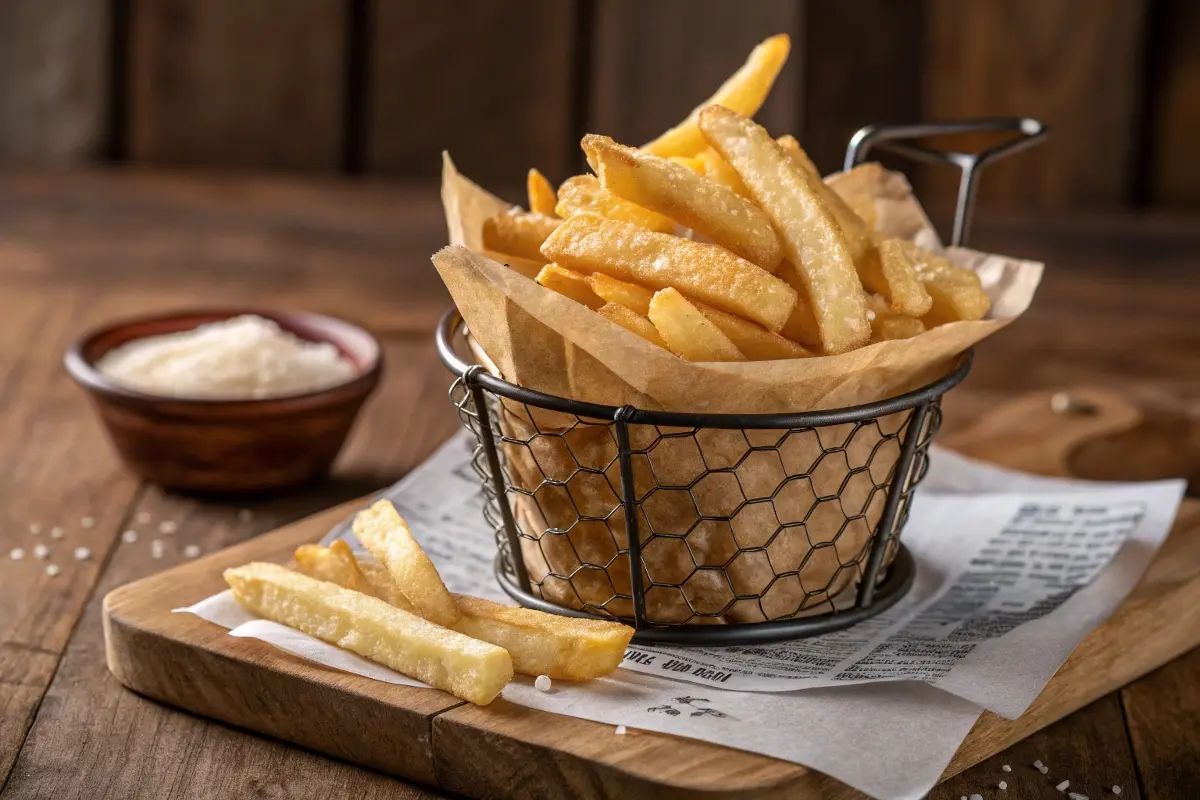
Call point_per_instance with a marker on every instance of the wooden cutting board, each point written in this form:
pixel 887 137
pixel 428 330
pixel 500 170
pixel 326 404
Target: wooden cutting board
pixel 506 750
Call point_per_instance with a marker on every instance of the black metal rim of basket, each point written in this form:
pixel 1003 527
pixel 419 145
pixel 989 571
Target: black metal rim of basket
pixel 877 589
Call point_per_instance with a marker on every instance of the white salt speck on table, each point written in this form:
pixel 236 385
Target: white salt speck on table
pixel 167 526
pixel 1006 768
pixel 157 548
pixel 1043 769
pixel 16 554
pixel 129 537
pixel 35 528
pixel 41 551
pixel 52 570
pixel 82 554
pixel 56 532
pixel 1116 789
pixel 1062 787
pixel 191 551
pixel 1077 796
pixel 88 522
pixel 1003 786
pixel 542 683
pixel 143 517
pixel 976 797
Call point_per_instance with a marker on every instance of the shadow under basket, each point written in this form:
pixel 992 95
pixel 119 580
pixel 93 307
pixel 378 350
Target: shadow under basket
pixel 697 529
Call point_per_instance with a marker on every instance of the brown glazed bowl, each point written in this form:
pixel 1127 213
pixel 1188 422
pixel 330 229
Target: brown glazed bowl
pixel 228 446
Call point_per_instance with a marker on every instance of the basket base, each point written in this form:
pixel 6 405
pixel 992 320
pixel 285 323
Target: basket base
pixel 899 580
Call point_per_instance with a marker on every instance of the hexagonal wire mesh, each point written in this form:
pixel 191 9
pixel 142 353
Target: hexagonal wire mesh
pixel 708 528
pixel 770 526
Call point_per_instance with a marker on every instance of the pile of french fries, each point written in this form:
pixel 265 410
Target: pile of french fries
pixel 399 613
pixel 719 243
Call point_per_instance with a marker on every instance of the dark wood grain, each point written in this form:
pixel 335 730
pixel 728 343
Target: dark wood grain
pixel 1073 64
pixel 54 87
pixel 1175 125
pixel 862 66
pixel 1162 711
pixel 654 62
pixel 227 83
pixel 487 80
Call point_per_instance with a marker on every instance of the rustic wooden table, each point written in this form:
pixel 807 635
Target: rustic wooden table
pixel 1118 307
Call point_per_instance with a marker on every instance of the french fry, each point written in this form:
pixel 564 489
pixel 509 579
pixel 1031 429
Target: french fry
pixel 570 284
pixel 386 536
pixel 541 193
pixel 518 233
pixel 633 321
pixel 634 297
pixel 691 162
pixel 744 92
pixel 893 274
pixel 382 585
pixel 337 564
pixel 688 333
pixel 675 191
pixel 756 342
pixel 528 268
pixel 583 194
pixel 538 643
pixel 887 325
pixel 802 324
pixel 707 272
pixel 813 242
pixel 467 668
pixel 957 293
pixel 716 169
pixel 890 274
pixel 859 187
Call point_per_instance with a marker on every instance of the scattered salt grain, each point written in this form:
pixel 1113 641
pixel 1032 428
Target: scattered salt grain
pixel 130 536
pixel 976 797
pixel 1043 769
pixel 1062 787
pixel 620 731
pixel 191 551
pixel 1004 786
pixel 245 515
pixel 1077 796
pixel 35 528
pixel 964 797
pixel 82 554
pixel 41 551
pixel 157 548
pixel 167 526
pixel 1006 768
pixel 542 683
pixel 16 554
pixel 88 522
pixel 52 570
pixel 1038 764
pixel 143 517
pixel 1116 789
pixel 56 532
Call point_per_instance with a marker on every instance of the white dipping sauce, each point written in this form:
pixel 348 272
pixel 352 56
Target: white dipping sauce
pixel 242 358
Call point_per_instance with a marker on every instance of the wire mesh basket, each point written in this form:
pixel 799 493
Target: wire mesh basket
pixel 704 529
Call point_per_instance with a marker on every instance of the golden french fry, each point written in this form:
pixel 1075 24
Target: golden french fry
pixel 634 297
pixel 541 193
pixel 715 168
pixel 688 333
pixel 791 146
pixel 893 274
pixel 802 324
pixel 707 272
pixel 859 187
pixel 583 194
pixel 570 284
pixel 744 92
pixel 632 321
pixel 812 239
pixel 337 564
pixel 528 268
pixel 518 233
pixel 691 162
pixel 675 191
pixel 957 293
pixel 756 342
pixel 386 536
pixel 886 324
pixel 467 668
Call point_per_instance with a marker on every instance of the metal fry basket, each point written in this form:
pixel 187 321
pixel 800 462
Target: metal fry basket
pixel 710 529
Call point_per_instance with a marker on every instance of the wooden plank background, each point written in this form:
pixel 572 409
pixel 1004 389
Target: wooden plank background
pixel 381 86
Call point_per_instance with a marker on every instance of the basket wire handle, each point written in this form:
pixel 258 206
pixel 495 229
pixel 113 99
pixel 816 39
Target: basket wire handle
pixel 894 139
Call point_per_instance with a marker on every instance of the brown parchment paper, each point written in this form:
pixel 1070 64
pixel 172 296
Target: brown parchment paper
pixel 735 525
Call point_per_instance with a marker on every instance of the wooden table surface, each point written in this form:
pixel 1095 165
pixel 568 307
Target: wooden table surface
pixel 1118 308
